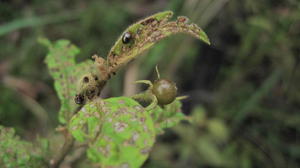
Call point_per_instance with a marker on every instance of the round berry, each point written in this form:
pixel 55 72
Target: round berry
pixel 165 91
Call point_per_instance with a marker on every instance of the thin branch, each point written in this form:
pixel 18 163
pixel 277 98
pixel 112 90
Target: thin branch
pixel 67 147
pixel 69 142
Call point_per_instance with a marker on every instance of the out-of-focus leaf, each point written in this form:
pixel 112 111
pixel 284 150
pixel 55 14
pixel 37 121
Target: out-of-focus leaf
pixel 209 152
pixel 198 116
pixel 36 21
pixel 17 153
pixel 261 22
pixel 218 129
pixel 118 130
pixel 268 84
pixel 66 73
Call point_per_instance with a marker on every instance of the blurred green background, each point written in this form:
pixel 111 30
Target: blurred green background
pixel 244 89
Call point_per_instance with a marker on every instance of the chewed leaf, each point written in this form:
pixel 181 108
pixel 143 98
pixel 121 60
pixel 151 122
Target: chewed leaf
pixel 66 73
pixel 118 131
pixel 133 29
pixel 17 153
pixel 145 33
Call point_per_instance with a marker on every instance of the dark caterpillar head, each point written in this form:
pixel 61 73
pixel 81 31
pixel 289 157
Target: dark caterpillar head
pixel 89 87
pixel 79 99
pixel 165 91
pixel 126 38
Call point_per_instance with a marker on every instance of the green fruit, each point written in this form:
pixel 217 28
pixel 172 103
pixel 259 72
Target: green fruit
pixel 165 91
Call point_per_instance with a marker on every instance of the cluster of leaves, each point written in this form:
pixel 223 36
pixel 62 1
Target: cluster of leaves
pixel 18 153
pixel 112 127
pixel 118 132
pixel 236 82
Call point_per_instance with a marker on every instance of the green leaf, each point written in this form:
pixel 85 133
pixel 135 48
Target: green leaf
pixel 168 116
pixel 145 33
pixel 118 131
pixel 17 153
pixel 66 73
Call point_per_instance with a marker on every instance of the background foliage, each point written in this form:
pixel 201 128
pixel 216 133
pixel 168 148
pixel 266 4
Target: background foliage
pixel 244 95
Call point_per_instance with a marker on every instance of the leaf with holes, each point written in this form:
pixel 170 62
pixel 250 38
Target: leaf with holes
pixel 66 73
pixel 145 33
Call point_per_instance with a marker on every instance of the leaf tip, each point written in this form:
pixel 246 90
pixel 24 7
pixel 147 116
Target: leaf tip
pixel 204 37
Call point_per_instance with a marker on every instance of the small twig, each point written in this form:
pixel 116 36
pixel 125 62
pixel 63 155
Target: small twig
pixel 157 72
pixel 69 141
pixel 77 156
pixel 67 147
pixel 131 74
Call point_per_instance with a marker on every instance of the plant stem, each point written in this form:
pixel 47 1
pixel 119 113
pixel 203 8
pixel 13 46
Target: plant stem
pixel 69 141
pixel 67 147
